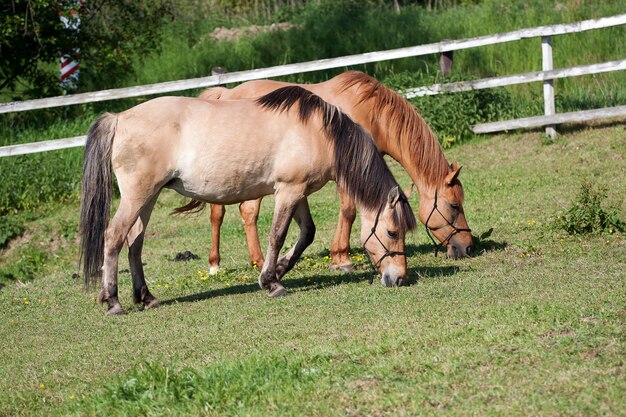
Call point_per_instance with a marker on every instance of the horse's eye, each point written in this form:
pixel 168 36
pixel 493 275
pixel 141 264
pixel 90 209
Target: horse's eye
pixel 455 206
pixel 393 235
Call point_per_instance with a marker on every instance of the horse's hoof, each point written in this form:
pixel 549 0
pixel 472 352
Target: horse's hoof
pixel 115 310
pixel 153 303
pixel 214 270
pixel 344 267
pixel 277 291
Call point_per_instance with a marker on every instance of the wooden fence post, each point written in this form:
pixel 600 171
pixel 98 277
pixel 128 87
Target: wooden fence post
pixel 445 62
pixel 548 85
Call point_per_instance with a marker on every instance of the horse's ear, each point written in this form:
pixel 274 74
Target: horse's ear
pixel 453 174
pixel 409 190
pixel 393 197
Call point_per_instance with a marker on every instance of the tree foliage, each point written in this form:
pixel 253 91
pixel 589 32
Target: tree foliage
pixel 32 38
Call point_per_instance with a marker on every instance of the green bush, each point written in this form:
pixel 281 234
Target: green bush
pixel 587 215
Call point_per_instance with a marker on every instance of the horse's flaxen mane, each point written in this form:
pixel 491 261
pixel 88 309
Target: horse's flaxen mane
pixel 403 124
pixel 360 169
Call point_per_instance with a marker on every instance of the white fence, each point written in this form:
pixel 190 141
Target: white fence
pixel 546 76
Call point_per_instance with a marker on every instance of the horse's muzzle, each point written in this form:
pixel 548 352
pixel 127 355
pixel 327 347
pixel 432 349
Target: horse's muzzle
pixel 388 281
pixel 456 252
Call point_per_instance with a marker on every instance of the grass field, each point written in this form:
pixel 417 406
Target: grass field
pixel 533 324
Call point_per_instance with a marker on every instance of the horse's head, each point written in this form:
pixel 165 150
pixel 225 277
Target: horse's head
pixel 383 233
pixel 441 211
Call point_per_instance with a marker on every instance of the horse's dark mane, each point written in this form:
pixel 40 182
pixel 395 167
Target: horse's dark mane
pixel 360 169
pixel 404 125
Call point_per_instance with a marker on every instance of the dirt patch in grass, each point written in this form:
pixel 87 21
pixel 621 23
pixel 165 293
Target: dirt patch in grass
pixel 229 34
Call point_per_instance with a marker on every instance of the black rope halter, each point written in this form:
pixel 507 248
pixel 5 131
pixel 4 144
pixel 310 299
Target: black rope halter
pixel 388 253
pixel 454 231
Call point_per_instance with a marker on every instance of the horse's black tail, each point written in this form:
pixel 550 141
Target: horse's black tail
pixel 96 195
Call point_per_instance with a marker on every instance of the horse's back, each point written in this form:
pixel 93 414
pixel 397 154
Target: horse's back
pixel 332 91
pixel 218 150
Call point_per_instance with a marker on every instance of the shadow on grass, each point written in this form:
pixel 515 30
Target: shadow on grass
pixel 482 246
pixel 423 249
pixel 582 126
pixel 237 289
pixel 363 274
pixel 574 127
pixel 479 247
pixel 316 282
pixel 410 249
pixel 428 272
pixel 292 284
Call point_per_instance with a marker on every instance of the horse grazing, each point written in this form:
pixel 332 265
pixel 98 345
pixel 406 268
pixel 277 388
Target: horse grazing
pixel 399 131
pixel 226 152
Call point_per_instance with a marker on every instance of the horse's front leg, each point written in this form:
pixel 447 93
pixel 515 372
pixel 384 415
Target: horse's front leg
pixel 283 212
pixel 340 248
pixel 302 216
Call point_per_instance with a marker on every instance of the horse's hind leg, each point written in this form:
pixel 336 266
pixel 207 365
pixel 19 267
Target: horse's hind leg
pixel 114 238
pixel 340 248
pixel 250 214
pixel 303 218
pixel 217 218
pixel 135 238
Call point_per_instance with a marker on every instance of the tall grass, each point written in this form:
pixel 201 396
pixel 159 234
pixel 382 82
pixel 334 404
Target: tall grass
pixel 335 28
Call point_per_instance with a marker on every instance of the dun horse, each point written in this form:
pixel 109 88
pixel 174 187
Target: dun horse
pixel 226 152
pixel 398 131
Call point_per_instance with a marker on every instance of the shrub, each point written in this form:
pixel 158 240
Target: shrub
pixel 587 215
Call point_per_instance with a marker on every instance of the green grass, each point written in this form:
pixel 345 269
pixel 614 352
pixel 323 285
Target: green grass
pixel 534 324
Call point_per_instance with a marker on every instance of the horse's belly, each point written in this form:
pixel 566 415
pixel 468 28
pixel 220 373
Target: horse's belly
pixel 223 185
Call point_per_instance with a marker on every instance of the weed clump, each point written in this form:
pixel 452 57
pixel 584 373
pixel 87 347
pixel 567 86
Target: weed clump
pixel 587 215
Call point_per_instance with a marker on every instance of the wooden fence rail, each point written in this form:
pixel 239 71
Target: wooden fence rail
pixel 546 76
pixel 524 78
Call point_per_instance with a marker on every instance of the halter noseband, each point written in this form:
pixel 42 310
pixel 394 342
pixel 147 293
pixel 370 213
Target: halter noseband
pixel 387 253
pixel 454 231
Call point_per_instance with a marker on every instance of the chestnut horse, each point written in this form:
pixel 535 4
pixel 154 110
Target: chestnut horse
pixel 226 152
pixel 400 132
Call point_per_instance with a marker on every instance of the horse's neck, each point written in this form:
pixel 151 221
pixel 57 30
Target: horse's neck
pixel 412 144
pixel 403 135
